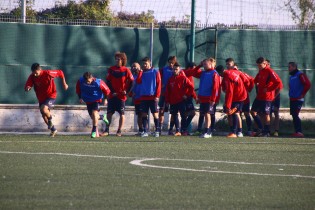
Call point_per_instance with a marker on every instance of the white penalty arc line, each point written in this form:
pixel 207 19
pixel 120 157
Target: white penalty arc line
pixel 140 163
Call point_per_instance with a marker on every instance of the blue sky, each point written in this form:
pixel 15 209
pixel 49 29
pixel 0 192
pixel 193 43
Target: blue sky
pixel 260 12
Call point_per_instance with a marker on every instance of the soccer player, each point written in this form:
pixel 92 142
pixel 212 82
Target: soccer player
pixel 299 85
pixel 178 89
pixel 234 85
pixel 190 108
pixel 209 88
pixel 275 106
pixel 91 91
pixel 267 81
pixel 150 91
pixel 135 94
pixel 165 73
pixel 46 92
pixel 119 80
pixel 246 103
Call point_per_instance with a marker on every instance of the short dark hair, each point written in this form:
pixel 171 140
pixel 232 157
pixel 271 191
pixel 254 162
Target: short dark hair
pixel 146 59
pixel 229 60
pixel 87 75
pixel 260 60
pixel 219 69
pixel 176 64
pixel 172 58
pixel 291 63
pixel 35 66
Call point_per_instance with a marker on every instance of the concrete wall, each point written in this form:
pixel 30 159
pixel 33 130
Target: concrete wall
pixel 75 118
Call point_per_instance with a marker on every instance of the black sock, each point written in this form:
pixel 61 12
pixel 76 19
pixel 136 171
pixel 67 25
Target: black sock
pixel 144 123
pixel 94 129
pixel 249 123
pixel 258 122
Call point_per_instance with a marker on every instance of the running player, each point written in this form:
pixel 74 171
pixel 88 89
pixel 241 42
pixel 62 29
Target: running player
pixel 46 92
pixel 91 91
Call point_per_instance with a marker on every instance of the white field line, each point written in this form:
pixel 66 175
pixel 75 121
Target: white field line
pixel 139 162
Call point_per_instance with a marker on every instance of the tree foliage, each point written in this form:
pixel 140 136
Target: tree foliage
pixel 302 11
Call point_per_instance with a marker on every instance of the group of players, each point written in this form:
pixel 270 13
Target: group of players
pixel 171 89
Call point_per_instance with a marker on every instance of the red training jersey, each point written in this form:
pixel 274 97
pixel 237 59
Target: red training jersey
pixel 119 80
pixel 234 83
pixel 267 81
pixel 44 85
pixel 178 87
pixel 250 87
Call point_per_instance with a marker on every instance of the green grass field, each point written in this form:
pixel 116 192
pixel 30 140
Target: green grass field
pixel 77 172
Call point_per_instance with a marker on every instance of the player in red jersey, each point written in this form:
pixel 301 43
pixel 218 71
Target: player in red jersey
pixel 165 72
pixel 246 105
pixel 209 88
pixel 234 85
pixel 119 80
pixel 46 92
pixel 299 85
pixel 91 91
pixel 267 81
pixel 275 106
pixel 178 89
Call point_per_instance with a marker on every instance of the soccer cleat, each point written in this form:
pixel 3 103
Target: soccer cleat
pixel 240 134
pixel 50 124
pixel 118 133
pixel 53 133
pixel 231 135
pixel 93 134
pixel 139 133
pixel 265 135
pixel 104 134
pixel 177 134
pixel 144 134
pixel 276 134
pixel 156 134
pixel 256 134
pixel 298 135
pixel 206 135
pixel 185 133
pixel 105 119
pixel 170 133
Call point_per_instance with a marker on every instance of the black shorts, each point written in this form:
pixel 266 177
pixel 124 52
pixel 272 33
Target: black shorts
pixel 275 103
pixel 92 107
pixel 206 108
pixel 116 105
pixel 162 105
pixel 189 104
pixel 137 109
pixel 50 102
pixel 237 105
pixel 179 107
pixel 295 107
pixel 148 104
pixel 246 107
pixel 261 107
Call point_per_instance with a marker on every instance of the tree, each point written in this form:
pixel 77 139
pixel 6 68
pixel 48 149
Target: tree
pixel 302 11
pixel 30 13
pixel 90 9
